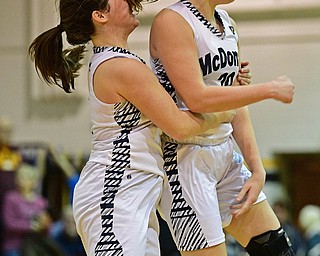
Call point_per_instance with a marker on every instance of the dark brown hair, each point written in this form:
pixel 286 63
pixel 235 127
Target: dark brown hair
pixel 58 66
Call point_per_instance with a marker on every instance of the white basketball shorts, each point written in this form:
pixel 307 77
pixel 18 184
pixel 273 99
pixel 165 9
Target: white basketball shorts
pixel 115 211
pixel 201 184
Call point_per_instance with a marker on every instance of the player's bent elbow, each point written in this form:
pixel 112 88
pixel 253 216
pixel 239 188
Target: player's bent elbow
pixel 196 107
pixel 196 104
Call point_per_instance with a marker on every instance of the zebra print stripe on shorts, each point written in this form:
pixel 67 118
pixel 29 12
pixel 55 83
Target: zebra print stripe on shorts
pixel 187 229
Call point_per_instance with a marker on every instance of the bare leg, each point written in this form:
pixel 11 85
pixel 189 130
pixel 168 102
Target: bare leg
pixel 259 219
pixel 218 250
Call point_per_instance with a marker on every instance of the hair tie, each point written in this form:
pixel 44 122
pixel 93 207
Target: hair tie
pixel 60 27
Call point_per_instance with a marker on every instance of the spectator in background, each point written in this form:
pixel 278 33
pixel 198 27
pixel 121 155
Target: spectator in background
pixel 38 245
pixel 281 210
pixel 9 155
pixel 233 247
pixel 24 211
pixel 62 160
pixel 65 235
pixel 63 231
pixel 309 220
pixel 10 159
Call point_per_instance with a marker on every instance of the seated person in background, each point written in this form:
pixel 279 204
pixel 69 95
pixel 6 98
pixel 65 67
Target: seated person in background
pixel 65 235
pixel 309 220
pixel 10 159
pixel 62 160
pixel 281 209
pixel 24 211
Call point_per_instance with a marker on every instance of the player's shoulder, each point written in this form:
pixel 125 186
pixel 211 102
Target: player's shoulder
pixel 167 15
pixel 169 19
pixel 119 66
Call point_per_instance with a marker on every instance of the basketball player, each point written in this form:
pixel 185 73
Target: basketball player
pixel 194 53
pixel 118 191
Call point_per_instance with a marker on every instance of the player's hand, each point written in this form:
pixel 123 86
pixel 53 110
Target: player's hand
pixel 248 194
pixel 244 75
pixel 283 89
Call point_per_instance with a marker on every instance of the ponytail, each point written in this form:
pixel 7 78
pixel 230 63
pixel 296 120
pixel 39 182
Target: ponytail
pixel 52 63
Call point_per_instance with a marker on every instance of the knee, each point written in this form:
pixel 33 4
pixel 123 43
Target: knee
pixel 270 243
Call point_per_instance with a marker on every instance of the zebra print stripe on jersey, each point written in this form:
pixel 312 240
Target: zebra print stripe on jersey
pixel 203 19
pixel 127 116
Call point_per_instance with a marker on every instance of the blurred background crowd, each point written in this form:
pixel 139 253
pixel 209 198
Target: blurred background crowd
pixel 37 182
pixel 36 185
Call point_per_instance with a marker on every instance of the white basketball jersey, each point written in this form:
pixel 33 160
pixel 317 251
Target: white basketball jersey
pixel 218 58
pixel 121 133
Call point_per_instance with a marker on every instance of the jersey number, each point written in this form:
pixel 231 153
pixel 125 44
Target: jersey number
pixel 226 79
